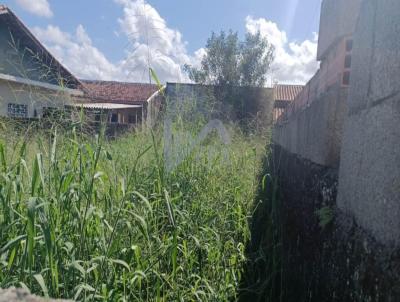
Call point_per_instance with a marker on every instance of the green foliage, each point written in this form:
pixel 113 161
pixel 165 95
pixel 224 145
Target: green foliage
pixel 95 220
pixel 231 62
pixel 325 215
pixel 256 56
pixel 262 279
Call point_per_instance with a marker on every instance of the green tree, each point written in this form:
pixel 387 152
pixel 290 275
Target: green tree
pixel 231 62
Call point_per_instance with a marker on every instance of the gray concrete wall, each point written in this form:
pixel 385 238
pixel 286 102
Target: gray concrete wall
pixel 338 19
pixel 367 148
pixel 315 132
pixel 326 255
pixel 357 256
pixel 369 179
pixel 247 104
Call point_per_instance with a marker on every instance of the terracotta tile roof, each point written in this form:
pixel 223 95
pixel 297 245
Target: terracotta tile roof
pixel 286 92
pixel 118 92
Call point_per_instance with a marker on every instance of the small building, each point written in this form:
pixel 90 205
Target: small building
pixel 32 81
pixel 284 95
pixel 122 103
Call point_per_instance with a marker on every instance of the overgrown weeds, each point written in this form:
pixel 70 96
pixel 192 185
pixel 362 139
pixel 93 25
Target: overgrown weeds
pixel 92 220
pixel 262 279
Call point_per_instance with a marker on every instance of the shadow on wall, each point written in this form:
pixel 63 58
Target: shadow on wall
pixel 303 248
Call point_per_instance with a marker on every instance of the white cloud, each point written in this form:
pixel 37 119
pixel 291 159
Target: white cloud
pixel 40 8
pixel 295 62
pixel 198 57
pixel 77 53
pixel 152 42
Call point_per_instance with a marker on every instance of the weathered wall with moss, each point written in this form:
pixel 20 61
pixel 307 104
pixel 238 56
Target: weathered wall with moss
pixel 369 185
pixel 326 254
pixel 356 256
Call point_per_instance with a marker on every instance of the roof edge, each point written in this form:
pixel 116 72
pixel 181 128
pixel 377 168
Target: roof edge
pixel 38 44
pixel 6 77
pixel 101 82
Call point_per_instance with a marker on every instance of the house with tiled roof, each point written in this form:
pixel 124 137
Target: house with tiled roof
pixel 33 84
pixel 283 96
pixel 122 102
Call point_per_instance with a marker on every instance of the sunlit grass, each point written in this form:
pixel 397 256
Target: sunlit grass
pixel 90 219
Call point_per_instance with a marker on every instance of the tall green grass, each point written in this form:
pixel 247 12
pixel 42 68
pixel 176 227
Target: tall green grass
pixel 96 220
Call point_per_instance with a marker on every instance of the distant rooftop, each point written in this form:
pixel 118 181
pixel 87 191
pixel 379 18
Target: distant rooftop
pixel 286 93
pixel 119 92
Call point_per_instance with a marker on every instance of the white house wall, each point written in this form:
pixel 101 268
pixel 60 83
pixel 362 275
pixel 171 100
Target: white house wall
pixel 32 96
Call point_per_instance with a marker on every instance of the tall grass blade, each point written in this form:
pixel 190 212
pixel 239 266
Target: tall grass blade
pixel 39 279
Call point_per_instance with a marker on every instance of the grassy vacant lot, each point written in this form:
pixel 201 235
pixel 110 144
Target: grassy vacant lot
pixel 85 218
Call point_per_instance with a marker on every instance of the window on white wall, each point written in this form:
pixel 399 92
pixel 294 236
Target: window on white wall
pixel 114 118
pixel 17 110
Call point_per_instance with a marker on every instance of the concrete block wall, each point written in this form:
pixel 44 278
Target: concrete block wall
pixel 315 132
pixel 353 138
pixel 359 129
pixel 337 21
pixel 369 179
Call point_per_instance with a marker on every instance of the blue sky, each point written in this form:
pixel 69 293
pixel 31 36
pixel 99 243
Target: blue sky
pixel 106 39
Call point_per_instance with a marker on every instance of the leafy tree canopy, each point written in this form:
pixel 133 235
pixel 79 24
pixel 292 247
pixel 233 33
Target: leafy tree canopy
pixel 229 61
